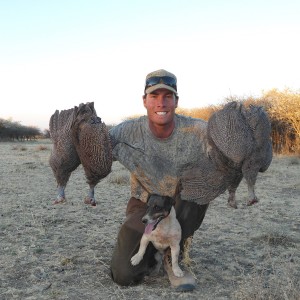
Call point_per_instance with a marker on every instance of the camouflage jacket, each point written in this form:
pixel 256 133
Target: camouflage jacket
pixel 155 164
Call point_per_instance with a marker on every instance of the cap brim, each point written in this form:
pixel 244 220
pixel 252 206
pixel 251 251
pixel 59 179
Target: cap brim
pixel 153 88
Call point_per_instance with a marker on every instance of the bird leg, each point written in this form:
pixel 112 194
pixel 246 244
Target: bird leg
pixel 250 177
pixel 231 199
pixel 90 198
pixel 252 197
pixel 61 195
pixel 232 190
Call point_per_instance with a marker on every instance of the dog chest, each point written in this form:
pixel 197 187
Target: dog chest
pixel 162 238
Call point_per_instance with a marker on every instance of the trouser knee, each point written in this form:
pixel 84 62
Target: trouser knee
pixel 190 216
pixel 128 241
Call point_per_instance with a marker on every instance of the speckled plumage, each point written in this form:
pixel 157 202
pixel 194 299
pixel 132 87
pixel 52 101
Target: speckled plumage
pixel 240 143
pixel 79 136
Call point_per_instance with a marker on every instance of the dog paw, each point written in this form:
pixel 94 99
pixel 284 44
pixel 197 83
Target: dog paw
pixel 178 272
pixel 135 259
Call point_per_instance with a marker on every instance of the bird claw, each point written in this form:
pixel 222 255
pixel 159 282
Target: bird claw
pixel 59 200
pixel 232 204
pixel 90 201
pixel 253 201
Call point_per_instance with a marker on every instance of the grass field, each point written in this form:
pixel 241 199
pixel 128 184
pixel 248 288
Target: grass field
pixel 64 251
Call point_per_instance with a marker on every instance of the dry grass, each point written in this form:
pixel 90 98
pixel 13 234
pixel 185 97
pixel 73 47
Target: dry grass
pixel 119 175
pixel 42 148
pixel 295 160
pixel 64 251
pixel 19 148
pixel 276 277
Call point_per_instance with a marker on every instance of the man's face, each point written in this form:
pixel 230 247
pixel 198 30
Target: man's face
pixel 161 105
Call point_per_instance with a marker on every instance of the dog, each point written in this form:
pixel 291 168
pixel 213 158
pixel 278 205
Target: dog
pixel 163 230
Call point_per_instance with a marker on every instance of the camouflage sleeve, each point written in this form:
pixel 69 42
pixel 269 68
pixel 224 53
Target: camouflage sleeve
pixel 115 134
pixel 124 133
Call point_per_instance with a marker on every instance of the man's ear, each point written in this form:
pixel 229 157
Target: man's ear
pixel 176 101
pixel 144 101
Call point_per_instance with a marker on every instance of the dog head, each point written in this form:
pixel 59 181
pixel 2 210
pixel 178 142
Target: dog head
pixel 159 207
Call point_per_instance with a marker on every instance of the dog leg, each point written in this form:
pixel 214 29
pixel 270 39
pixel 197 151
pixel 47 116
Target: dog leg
pixel 175 254
pixel 155 270
pixel 140 254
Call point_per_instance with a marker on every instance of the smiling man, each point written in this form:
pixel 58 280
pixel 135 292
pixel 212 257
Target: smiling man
pixel 156 149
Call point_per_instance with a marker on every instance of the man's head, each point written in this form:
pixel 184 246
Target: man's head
pixel 160 100
pixel 161 79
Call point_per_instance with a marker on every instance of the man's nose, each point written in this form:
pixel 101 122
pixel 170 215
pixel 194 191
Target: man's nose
pixel 161 100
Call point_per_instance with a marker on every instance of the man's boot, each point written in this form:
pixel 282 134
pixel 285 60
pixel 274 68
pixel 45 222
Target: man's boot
pixel 181 284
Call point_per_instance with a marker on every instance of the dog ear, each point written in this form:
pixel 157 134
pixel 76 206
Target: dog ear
pixel 171 200
pixel 149 197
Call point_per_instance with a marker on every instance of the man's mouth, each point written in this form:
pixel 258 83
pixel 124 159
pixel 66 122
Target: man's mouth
pixel 161 113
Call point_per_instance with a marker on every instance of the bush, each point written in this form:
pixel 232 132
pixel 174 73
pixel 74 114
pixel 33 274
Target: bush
pixel 283 109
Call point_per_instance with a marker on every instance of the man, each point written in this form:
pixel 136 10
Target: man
pixel 156 149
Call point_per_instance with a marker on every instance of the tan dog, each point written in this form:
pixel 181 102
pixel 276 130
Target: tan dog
pixel 162 229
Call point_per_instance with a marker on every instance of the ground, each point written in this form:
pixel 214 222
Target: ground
pixel 63 251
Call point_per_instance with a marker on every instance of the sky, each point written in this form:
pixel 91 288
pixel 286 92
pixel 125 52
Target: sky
pixel 57 54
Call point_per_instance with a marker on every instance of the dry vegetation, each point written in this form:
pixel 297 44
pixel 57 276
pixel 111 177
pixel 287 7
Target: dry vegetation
pixel 63 252
pixel 283 109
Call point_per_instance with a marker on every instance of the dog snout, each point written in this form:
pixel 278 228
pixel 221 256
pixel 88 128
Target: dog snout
pixel 146 219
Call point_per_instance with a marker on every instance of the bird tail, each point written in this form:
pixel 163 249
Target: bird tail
pixel 60 121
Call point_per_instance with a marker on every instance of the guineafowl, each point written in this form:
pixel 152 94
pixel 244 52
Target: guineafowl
pixel 238 146
pixel 79 136
pixel 240 141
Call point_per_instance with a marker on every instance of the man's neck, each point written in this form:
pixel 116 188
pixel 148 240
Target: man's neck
pixel 162 131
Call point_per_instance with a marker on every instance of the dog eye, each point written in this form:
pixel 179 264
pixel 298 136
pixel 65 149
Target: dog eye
pixel 157 208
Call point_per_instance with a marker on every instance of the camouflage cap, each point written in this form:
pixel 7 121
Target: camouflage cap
pixel 166 80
